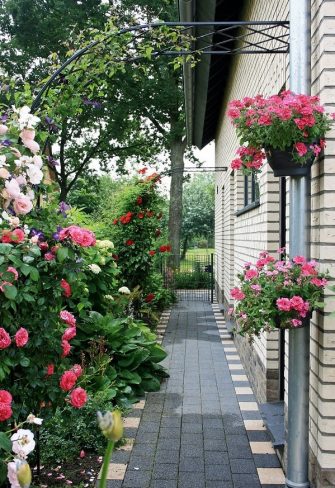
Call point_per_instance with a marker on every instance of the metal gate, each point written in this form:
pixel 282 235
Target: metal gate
pixel 193 279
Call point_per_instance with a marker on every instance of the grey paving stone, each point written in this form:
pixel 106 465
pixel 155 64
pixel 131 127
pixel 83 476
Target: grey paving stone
pixel 144 463
pixel 243 466
pixel 165 471
pixel 246 480
pixel 192 464
pixel 191 451
pixel 258 436
pixel 164 484
pixel 137 479
pixel 214 457
pixel 191 480
pixel 172 433
pixel 147 427
pixel 114 483
pixel 215 445
pixel 167 456
pixel 266 461
pixel 218 472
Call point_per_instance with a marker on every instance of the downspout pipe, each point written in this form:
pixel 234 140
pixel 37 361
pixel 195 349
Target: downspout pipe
pixel 186 15
pixel 299 339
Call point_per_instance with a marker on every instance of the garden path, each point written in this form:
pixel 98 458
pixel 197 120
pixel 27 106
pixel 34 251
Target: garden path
pixel 203 428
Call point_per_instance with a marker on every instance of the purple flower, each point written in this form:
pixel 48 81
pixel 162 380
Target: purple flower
pixel 52 161
pixel 36 232
pixel 93 103
pixel 4 118
pixel 53 128
pixel 6 142
pixel 55 236
pixel 63 208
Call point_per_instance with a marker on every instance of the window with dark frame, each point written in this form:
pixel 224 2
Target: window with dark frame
pixel 251 190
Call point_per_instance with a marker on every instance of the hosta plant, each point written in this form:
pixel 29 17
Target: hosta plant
pixel 276 293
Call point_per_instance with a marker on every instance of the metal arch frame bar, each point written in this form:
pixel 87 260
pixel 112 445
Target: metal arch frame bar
pixel 148 26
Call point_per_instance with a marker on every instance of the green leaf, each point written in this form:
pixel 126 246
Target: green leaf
pixel 5 443
pixel 62 254
pixel 24 362
pixel 25 269
pixel 34 274
pixel 10 291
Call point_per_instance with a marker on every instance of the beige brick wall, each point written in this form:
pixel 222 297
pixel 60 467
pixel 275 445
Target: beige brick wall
pixel 241 238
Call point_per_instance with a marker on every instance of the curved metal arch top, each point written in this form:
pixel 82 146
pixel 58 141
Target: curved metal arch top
pixel 208 38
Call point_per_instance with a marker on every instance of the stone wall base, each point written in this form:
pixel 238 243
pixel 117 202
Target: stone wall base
pixel 320 477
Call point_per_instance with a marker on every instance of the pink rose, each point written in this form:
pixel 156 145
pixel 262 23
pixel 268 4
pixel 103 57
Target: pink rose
pixel 5 397
pixel 10 269
pixel 13 188
pixel 3 129
pixel 5 340
pixel 68 318
pixel 66 348
pixel 49 256
pixel 4 173
pixel 77 369
pixel 80 236
pixel 21 337
pixel 319 282
pixel 27 134
pixel 283 304
pixel 12 475
pixel 78 397
pixel 296 322
pixel 69 334
pixel 22 205
pixel 5 411
pixel 50 369
pixel 68 380
pixel 32 145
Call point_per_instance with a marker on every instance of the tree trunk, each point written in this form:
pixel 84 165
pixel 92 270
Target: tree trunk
pixel 176 199
pixel 185 246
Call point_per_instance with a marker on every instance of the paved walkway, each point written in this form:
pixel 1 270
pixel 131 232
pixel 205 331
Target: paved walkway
pixel 203 429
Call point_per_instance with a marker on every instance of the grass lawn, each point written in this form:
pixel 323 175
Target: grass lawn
pixel 199 252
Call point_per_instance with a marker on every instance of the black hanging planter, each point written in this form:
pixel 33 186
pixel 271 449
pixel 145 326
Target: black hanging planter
pixel 283 164
pixel 304 322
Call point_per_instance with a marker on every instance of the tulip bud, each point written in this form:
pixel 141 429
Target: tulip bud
pixel 23 474
pixel 111 425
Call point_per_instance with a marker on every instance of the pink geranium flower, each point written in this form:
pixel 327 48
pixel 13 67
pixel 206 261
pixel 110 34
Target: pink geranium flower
pixel 237 294
pixel 68 318
pixel 283 304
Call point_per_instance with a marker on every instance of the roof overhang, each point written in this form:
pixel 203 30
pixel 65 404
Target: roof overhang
pixel 204 85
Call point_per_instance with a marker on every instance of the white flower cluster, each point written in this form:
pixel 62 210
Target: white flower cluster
pixel 19 171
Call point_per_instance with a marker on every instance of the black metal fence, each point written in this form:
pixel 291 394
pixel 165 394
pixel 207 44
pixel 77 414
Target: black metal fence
pixel 193 279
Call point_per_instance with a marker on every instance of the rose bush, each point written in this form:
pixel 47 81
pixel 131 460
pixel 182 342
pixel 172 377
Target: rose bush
pixel 276 293
pixel 287 121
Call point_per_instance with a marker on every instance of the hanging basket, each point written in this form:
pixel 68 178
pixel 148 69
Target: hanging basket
pixel 283 163
pixel 304 322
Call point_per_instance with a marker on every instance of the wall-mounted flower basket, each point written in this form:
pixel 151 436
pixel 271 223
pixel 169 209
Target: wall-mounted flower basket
pixel 279 324
pixel 283 164
pixel 287 120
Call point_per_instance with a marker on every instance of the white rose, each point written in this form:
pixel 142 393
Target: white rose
pixel 23 442
pixel 3 160
pixel 109 297
pixel 34 174
pixel 124 290
pixel 38 161
pixel 94 268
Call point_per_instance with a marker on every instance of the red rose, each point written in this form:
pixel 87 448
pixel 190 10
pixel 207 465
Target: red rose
pixel 66 348
pixel 5 340
pixel 5 411
pixel 150 213
pixel 21 337
pixel 67 292
pixel 157 233
pixel 142 171
pixel 5 397
pixel 130 242
pixel 115 257
pixel 163 248
pixel 149 297
pixel 49 256
pixel 16 236
pixel 140 215
pixel 69 334
pixel 125 219
pixel 152 253
pixel 139 200
pixel 44 246
pixel 78 397
pixel 50 369
pixel 115 221
pixel 68 380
